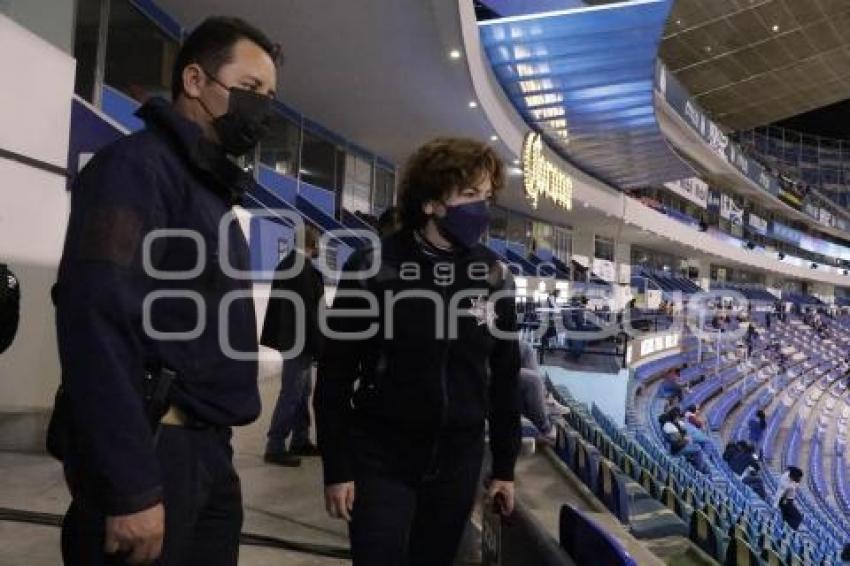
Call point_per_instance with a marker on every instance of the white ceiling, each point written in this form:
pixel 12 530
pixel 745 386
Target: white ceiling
pixel 374 71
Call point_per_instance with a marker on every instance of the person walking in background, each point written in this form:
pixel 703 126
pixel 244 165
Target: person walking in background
pixel 786 494
pixel 694 416
pixel 281 329
pixel 389 222
pixel 10 306
pixel 757 426
pixel 538 406
pixel 403 452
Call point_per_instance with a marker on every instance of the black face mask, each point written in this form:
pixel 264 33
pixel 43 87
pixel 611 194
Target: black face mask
pixel 246 123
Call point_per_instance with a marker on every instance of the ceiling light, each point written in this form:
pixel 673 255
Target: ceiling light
pixel 517 162
pixel 708 49
pixel 494 138
pixel 586 205
pixel 678 22
pixel 473 104
pixel 775 28
pixel 454 54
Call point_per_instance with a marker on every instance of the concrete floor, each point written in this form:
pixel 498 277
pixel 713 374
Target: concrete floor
pixel 281 502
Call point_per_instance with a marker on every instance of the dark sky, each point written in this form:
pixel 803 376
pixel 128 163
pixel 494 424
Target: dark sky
pixel 829 121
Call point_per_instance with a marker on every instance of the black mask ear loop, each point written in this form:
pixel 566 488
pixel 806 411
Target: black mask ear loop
pixel 216 81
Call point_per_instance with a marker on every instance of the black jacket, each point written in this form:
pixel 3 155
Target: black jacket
pixel 10 306
pixel 280 328
pixel 420 382
pixel 166 176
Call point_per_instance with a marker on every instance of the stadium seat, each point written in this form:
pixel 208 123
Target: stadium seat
pixel 587 543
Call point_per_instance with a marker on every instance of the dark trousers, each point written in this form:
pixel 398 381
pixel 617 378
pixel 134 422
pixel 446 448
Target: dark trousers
pixel 398 521
pixel 292 410
pixel 202 499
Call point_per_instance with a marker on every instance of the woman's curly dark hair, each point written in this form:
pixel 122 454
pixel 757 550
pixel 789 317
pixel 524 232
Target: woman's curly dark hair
pixel 441 166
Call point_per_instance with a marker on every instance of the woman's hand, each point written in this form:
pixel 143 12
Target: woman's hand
pixel 339 500
pixel 502 494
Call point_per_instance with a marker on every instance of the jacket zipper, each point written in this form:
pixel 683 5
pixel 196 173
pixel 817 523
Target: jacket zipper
pixel 432 470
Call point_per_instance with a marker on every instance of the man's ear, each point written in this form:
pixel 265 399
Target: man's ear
pixel 194 79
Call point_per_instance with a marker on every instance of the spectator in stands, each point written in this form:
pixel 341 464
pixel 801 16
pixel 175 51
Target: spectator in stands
pixel 679 442
pixel 693 416
pixel 538 406
pixel 757 425
pixel 752 478
pixel 401 404
pixel 732 449
pixel 845 554
pixel 786 494
pixel 671 387
pixel 695 433
pixel 744 458
pixel 280 329
pixel 750 339
pixel 552 299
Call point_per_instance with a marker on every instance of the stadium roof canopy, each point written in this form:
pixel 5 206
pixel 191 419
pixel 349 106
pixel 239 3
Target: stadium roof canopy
pixel 584 78
pixel 750 63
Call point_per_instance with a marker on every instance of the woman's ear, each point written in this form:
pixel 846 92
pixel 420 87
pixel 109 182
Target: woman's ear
pixel 428 208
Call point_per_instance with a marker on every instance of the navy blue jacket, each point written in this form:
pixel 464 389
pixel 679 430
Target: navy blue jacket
pixel 166 176
pixel 424 391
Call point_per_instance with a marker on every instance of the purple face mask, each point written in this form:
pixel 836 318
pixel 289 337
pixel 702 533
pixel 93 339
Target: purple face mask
pixel 464 224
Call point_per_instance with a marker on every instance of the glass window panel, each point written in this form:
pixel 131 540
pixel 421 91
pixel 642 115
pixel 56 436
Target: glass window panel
pixel 85 46
pixel 279 150
pixel 139 55
pixel 357 190
pixel 318 162
pixel 384 190
pixel 604 248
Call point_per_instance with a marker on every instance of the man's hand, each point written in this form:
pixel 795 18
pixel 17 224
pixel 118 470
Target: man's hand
pixel 502 493
pixel 339 500
pixel 138 535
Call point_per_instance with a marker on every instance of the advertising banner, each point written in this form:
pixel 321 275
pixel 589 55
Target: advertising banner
pixel 757 223
pixel 730 210
pixel 693 189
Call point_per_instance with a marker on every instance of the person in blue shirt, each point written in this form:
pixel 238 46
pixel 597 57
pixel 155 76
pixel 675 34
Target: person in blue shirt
pixel 757 425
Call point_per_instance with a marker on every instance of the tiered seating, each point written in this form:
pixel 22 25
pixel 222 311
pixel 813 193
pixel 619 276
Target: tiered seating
pixel 667 282
pixel 801 299
pixel 754 293
pixel 717 510
pixel 827 532
pixel 839 466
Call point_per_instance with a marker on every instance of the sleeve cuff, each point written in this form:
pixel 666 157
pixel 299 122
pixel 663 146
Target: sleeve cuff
pixel 337 472
pixel 503 470
pixel 129 504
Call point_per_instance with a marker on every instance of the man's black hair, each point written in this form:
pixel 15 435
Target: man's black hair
pixel 795 473
pixel 210 45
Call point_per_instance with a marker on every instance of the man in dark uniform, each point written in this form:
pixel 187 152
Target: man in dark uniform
pixel 402 449
pixel 280 330
pixel 139 494
pixel 10 306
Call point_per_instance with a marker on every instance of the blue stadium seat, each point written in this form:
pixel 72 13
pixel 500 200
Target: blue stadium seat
pixel 588 543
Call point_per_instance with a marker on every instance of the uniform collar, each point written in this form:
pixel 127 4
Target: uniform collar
pixel 220 174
